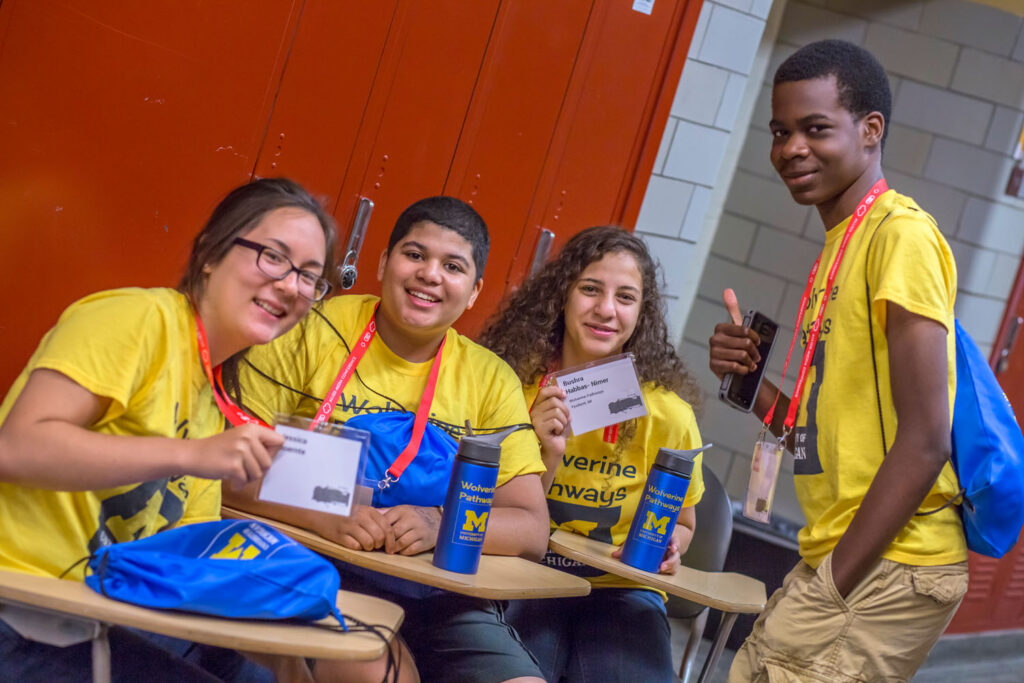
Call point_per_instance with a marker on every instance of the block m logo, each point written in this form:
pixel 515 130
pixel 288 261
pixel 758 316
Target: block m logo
pixel 656 524
pixel 237 548
pixel 475 522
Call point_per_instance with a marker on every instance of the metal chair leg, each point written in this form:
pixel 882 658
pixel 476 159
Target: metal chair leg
pixel 697 626
pixel 101 656
pixel 728 619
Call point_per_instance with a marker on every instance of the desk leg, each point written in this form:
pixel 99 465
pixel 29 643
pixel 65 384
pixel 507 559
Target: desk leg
pixel 101 656
pixel 728 619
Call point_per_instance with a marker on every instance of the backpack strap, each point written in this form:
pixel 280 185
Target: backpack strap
pixel 959 497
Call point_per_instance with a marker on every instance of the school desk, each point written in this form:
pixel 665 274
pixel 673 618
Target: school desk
pixel 731 593
pixel 62 612
pixel 498 577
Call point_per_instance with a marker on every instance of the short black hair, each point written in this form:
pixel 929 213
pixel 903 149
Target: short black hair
pixel 861 81
pixel 451 213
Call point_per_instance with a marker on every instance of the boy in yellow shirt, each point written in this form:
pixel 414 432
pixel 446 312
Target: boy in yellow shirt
pixel 879 580
pixel 430 274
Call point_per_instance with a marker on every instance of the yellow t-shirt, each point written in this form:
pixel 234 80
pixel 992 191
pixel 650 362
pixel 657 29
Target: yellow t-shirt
pixel 136 347
pixel 838 437
pixel 598 486
pixel 473 384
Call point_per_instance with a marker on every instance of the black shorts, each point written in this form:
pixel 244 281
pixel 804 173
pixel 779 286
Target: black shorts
pixel 454 637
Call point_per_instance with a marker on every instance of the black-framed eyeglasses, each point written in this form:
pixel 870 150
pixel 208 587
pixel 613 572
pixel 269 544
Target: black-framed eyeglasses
pixel 276 265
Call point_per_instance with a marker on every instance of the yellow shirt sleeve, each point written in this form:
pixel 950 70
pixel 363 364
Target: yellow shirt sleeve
pixel 910 265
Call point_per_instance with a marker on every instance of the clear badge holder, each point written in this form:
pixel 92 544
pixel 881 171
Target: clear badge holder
pixel 601 393
pixel 318 470
pixel 764 475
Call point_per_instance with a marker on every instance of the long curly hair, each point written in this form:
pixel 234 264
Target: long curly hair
pixel 528 330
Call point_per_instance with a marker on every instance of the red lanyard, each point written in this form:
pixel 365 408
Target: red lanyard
pixel 419 425
pixel 235 415
pixel 812 339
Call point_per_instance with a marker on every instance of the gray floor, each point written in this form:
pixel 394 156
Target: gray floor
pixel 989 657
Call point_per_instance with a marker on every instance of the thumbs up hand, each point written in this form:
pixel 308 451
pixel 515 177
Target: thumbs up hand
pixel 733 347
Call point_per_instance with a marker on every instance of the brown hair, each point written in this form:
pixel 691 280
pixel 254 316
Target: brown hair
pixel 535 312
pixel 238 213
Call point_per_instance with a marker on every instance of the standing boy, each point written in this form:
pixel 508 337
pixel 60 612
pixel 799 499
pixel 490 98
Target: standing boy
pixel 879 581
pixel 430 274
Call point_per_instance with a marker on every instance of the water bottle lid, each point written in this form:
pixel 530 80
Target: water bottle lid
pixel 480 451
pixel 679 462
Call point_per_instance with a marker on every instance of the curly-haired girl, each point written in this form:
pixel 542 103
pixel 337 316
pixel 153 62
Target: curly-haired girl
pixel 599 298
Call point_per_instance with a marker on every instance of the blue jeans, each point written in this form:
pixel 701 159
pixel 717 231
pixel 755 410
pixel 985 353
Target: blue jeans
pixel 134 656
pixel 613 634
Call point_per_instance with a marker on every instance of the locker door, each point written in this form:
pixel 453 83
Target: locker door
pixel 414 116
pixel 120 123
pixel 510 126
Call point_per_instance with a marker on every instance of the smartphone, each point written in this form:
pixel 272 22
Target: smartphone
pixel 740 391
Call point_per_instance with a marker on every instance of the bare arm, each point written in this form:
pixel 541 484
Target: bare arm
pixel 917 371
pixel 550 418
pixel 46 442
pixel 519 519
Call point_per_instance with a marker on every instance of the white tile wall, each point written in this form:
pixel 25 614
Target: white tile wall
pixel 664 206
pixel 972 168
pixel 971 23
pixel 731 99
pixel 693 224
pixel 734 238
pixel 903 52
pixel 1004 132
pixel 894 12
pixel 979 315
pixel 700 93
pixel 990 77
pixel 699 160
pixel 973 266
pixel 939 111
pixel 765 201
pixel 1003 274
pixel 906 149
pixel 992 225
pixel 805 24
pixel 732 39
pixel 787 255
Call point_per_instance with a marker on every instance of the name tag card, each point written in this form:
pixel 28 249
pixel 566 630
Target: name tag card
pixel 316 470
pixel 602 393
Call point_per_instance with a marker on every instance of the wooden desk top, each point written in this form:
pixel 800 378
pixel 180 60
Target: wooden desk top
pixel 498 578
pixel 723 591
pixel 77 599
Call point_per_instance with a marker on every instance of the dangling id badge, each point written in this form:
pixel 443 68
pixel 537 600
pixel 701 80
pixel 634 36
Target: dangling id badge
pixel 764 475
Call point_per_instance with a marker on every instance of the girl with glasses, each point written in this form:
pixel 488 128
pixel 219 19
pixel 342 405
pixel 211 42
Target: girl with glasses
pixel 113 431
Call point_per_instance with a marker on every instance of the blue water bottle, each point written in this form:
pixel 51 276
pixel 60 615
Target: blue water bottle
pixel 467 506
pixel 659 508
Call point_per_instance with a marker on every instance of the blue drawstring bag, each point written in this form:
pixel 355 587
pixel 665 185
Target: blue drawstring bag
pixel 988 454
pixel 425 480
pixel 228 568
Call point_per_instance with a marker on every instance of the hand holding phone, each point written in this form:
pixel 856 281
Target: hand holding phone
pixel 739 389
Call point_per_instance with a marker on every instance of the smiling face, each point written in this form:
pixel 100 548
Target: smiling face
pixel 823 154
pixel 427 281
pixel 240 306
pixel 602 309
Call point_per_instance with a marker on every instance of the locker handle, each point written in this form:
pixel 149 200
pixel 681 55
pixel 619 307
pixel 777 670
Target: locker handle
pixel 540 254
pixel 347 271
pixel 1011 340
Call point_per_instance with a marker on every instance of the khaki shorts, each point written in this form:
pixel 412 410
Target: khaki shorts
pixel 882 631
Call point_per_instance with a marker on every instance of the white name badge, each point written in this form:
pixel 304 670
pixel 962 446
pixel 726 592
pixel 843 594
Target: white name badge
pixel 602 393
pixel 316 471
